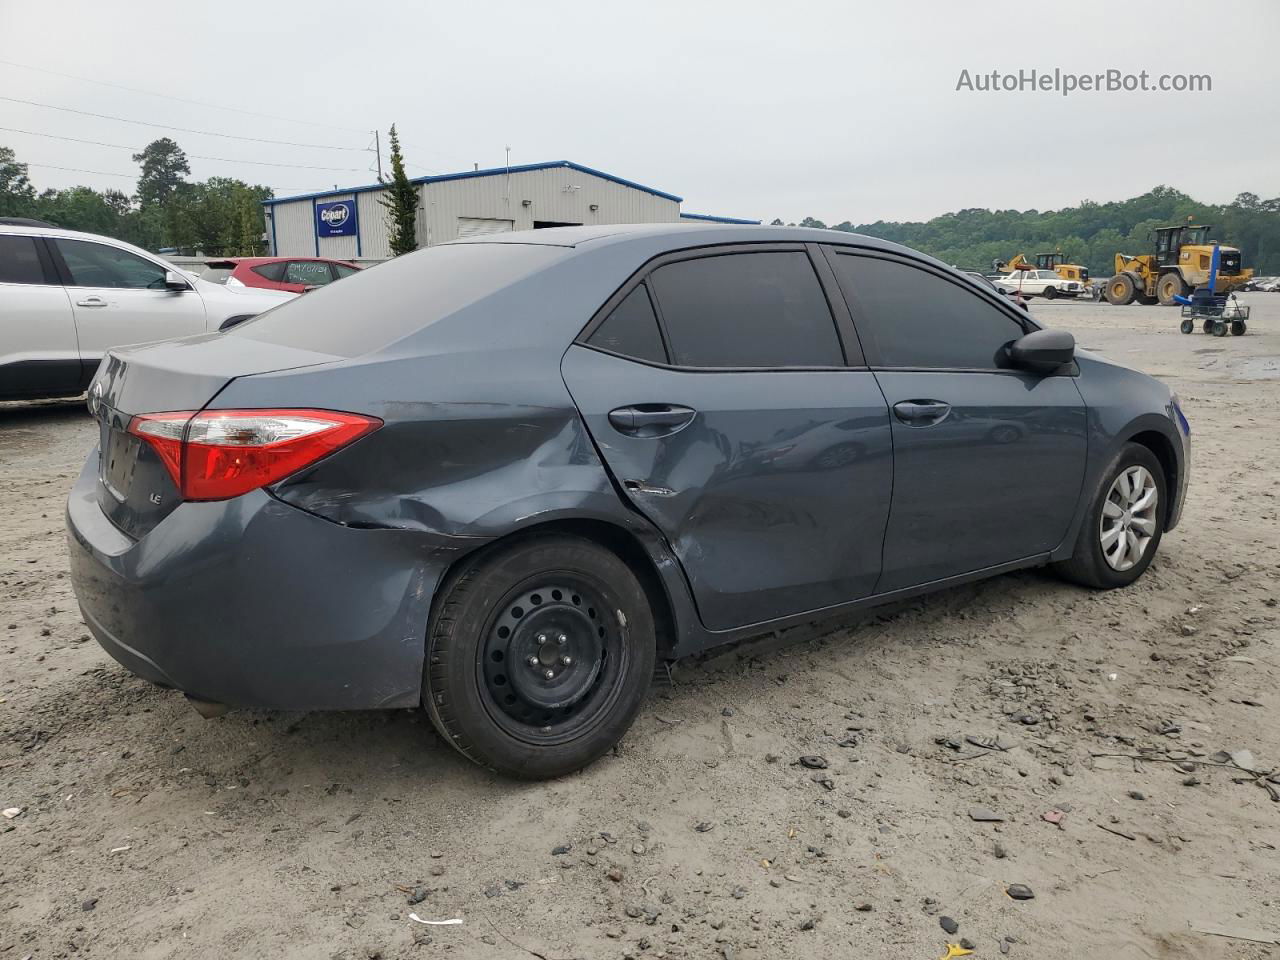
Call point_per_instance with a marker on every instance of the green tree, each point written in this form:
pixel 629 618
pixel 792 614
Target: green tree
pixel 401 202
pixel 17 195
pixel 164 167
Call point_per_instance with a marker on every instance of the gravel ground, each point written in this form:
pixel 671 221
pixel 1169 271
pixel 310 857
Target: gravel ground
pixel 146 832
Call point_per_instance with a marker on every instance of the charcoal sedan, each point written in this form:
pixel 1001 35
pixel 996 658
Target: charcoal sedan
pixel 505 477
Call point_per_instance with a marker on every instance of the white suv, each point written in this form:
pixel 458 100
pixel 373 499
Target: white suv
pixel 1045 283
pixel 66 298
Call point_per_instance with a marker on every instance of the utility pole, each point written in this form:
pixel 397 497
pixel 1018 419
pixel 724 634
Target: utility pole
pixel 377 145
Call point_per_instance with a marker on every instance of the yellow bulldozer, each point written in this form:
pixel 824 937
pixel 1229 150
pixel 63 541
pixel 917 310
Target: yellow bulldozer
pixel 1180 264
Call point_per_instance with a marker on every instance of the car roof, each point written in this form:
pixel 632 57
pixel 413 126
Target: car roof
pixel 683 235
pixel 257 261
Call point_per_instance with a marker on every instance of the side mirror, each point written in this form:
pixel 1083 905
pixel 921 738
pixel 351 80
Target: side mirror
pixel 175 281
pixel 1043 351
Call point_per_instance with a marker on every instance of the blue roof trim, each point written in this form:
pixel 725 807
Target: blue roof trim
pixel 490 172
pixel 708 218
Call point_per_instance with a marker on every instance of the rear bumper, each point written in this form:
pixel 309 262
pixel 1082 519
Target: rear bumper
pixel 254 603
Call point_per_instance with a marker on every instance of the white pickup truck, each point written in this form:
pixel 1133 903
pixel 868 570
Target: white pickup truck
pixel 1043 283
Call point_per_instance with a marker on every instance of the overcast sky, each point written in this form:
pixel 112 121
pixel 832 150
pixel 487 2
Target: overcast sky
pixel 788 109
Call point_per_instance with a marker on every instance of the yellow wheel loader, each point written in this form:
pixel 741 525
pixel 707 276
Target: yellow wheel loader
pixel 1180 264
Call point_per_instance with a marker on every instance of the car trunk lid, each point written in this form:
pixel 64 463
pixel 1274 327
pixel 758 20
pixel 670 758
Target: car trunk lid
pixel 135 490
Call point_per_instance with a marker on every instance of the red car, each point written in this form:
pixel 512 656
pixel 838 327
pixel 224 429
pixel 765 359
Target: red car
pixel 295 274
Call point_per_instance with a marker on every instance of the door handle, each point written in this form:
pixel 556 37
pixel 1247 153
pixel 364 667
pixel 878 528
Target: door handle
pixel 921 413
pixel 650 419
pixel 91 302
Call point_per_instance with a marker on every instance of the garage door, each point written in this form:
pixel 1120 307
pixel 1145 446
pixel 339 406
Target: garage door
pixel 478 226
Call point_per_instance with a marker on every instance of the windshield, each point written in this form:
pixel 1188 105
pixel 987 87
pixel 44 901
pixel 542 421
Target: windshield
pixel 1196 235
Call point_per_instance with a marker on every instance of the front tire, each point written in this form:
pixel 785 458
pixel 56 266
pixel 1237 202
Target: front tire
pixel 1050 293
pixel 1121 290
pixel 1124 523
pixel 539 656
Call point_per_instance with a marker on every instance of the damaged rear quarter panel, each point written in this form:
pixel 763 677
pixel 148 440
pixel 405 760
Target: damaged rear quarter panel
pixel 460 464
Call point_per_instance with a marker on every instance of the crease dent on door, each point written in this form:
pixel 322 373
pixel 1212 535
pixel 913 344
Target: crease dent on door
pixel 774 496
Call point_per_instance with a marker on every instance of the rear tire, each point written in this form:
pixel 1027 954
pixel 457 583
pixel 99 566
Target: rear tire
pixel 539 656
pixel 1090 565
pixel 1169 286
pixel 1238 328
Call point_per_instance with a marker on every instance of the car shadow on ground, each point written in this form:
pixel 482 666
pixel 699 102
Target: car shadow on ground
pixel 391 750
pixel 38 412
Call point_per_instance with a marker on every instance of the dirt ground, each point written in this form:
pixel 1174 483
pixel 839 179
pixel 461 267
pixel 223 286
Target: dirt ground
pixel 147 832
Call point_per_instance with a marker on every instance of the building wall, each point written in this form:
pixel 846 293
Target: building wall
pixel 557 194
pixel 561 194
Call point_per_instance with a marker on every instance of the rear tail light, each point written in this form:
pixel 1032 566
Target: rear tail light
pixel 221 454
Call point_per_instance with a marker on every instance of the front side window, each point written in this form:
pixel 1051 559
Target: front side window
pixel 762 309
pixel 632 329
pixel 19 260
pixel 918 319
pixel 98 265
pixel 310 273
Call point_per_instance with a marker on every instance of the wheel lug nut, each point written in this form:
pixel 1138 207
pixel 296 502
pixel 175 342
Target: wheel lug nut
pixel 533 661
pixel 562 639
pixel 542 638
pixel 550 674
pixel 567 661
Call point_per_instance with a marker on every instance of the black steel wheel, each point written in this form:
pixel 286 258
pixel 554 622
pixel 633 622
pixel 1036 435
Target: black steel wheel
pixel 551 658
pixel 1238 328
pixel 1187 326
pixel 1219 328
pixel 539 656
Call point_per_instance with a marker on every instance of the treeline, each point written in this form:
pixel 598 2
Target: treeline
pixel 1090 233
pixel 219 216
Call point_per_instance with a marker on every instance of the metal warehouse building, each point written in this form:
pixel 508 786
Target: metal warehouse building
pixel 352 224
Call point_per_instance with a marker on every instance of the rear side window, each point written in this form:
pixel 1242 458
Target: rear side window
pixel 632 329
pixel 762 309
pixel 310 272
pixel 270 271
pixel 918 319
pixel 344 270
pixel 98 265
pixel 19 260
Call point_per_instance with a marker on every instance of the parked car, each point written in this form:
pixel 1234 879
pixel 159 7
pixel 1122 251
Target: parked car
pixel 542 461
pixel 1044 283
pixel 988 282
pixel 294 274
pixel 68 297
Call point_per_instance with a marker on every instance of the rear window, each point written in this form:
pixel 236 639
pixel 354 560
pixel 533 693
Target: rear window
pixel 216 274
pixel 376 307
